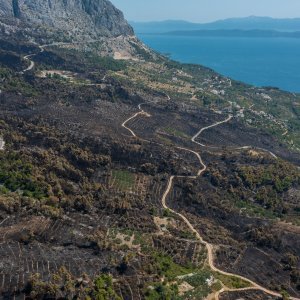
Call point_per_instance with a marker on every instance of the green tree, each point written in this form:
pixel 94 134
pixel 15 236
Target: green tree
pixel 162 292
pixel 104 289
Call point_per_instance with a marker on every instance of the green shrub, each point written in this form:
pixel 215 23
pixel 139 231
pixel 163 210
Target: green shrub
pixel 162 292
pixel 104 289
pixel 17 175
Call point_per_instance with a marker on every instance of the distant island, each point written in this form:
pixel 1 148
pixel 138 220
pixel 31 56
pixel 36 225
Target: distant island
pixel 248 23
pixel 235 33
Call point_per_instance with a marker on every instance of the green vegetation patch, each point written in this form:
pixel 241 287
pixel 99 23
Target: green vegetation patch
pixel 176 132
pixel 106 63
pixel 232 282
pixel 280 175
pixel 63 285
pixel 18 175
pixel 165 266
pixel 211 100
pixel 15 84
pixel 267 188
pixel 124 179
pixel 199 282
pixel 198 279
pixel 270 184
pixel 162 292
pixel 104 288
pixel 141 52
pixel 254 209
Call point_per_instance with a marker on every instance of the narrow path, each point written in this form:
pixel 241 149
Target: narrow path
pixel 2 144
pixel 285 133
pixel 208 246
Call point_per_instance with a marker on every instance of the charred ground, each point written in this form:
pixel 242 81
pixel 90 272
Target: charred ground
pixel 81 198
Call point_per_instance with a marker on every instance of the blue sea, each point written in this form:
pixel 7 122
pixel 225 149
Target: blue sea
pixel 258 61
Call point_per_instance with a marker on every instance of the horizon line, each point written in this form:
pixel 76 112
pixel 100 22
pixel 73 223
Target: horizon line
pixel 212 21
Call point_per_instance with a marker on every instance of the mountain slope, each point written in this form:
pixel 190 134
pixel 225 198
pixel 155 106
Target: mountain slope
pixel 91 145
pixel 80 18
pixel 141 179
pixel 87 25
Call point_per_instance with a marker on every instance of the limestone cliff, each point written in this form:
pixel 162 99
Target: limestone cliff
pixel 77 18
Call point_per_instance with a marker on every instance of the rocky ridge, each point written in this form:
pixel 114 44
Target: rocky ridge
pixel 87 25
pixel 79 19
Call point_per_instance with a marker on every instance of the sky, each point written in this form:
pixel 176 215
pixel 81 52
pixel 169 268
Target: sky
pixel 205 10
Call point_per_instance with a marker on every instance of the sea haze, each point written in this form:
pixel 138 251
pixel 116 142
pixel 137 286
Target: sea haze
pixel 258 61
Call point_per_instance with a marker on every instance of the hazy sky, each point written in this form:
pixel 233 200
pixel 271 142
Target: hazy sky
pixel 205 10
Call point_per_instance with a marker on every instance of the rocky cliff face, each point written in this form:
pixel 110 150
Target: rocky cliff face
pixel 78 18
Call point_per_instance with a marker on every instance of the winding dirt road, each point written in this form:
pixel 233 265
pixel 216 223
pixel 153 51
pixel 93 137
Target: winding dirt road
pixel 208 127
pixel 235 148
pixel 209 247
pixel 32 63
pixel 42 49
pixel 141 112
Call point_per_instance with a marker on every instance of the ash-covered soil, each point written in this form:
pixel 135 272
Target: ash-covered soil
pixel 79 191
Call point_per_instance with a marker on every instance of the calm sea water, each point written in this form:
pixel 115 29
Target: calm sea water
pixel 258 61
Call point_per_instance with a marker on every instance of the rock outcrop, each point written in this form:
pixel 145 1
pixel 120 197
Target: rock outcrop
pixel 79 19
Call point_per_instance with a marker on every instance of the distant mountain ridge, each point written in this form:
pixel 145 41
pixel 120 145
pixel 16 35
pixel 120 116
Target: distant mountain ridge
pixel 249 23
pixel 235 33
